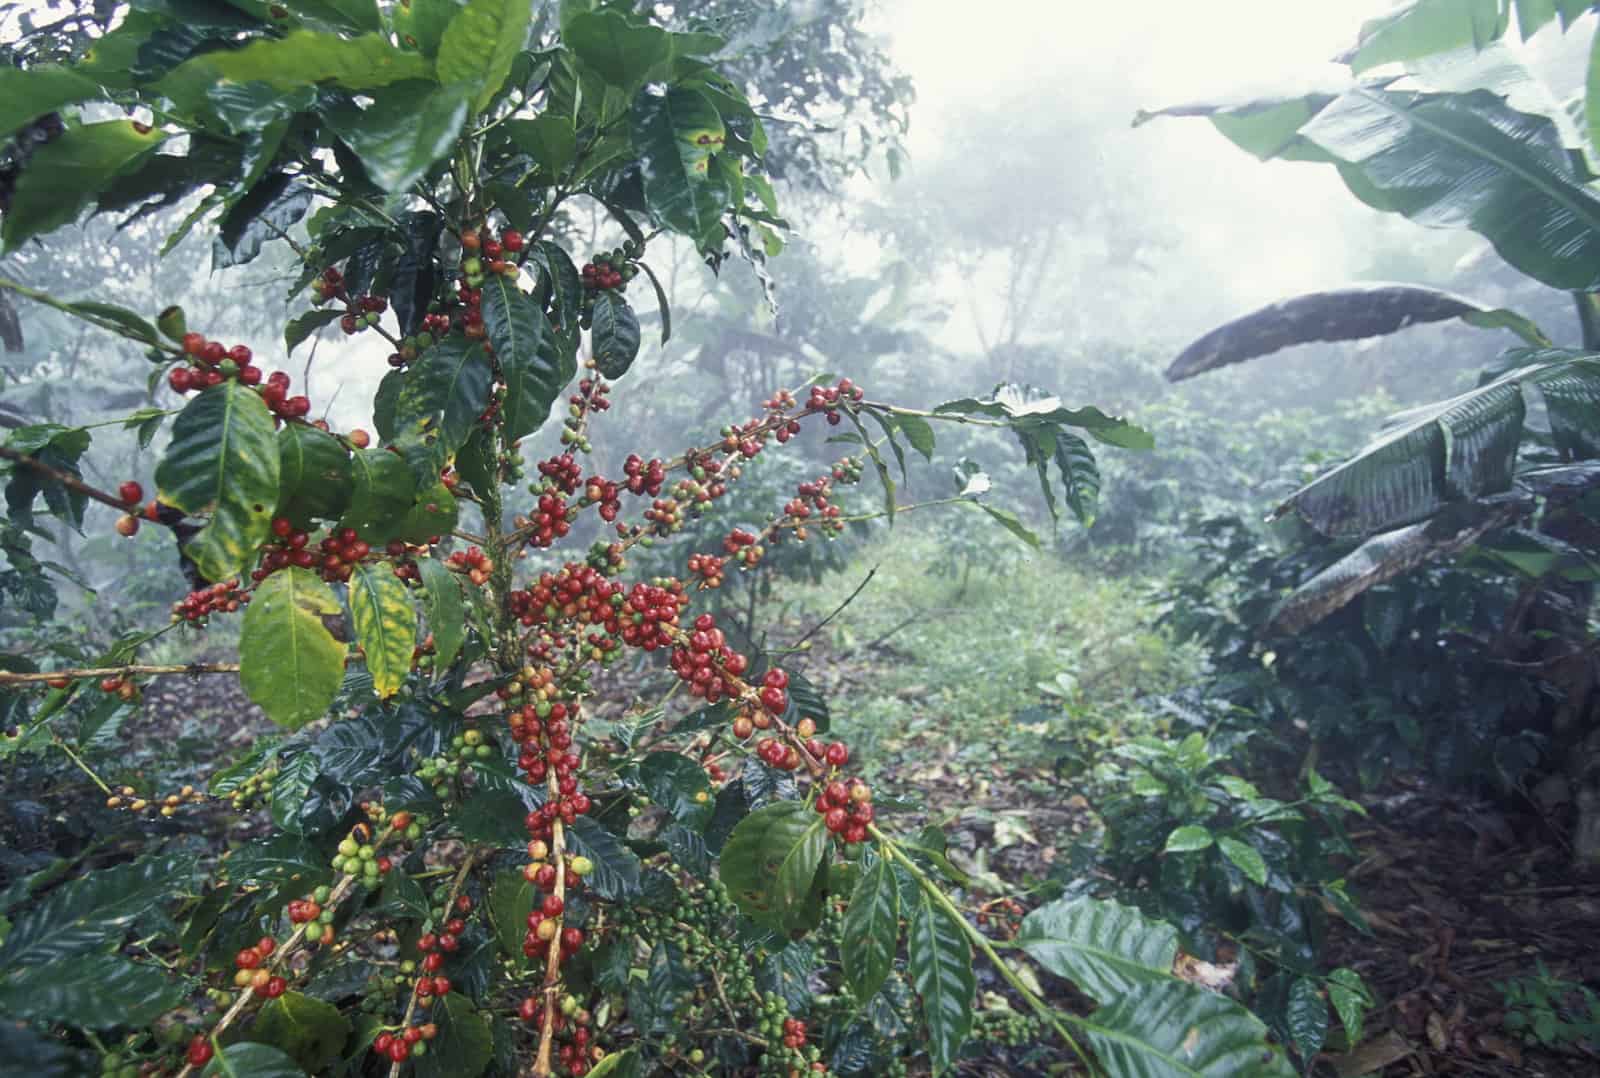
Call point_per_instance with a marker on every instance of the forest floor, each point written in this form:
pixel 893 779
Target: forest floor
pixel 961 702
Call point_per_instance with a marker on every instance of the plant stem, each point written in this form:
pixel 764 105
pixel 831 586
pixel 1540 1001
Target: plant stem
pixel 983 943
pixel 75 484
pixel 94 320
pixel 449 904
pixel 8 677
pixel 85 768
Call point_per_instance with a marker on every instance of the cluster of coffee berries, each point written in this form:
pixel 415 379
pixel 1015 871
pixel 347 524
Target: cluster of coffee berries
pixel 472 563
pixel 1004 913
pixel 610 269
pixel 212 364
pixel 125 688
pixel 812 504
pixel 846 809
pixel 711 668
pixel 250 970
pixel 828 400
pixel 434 947
pixel 131 494
pixel 401 1045
pixel 773 1023
pixel 604 493
pixel 1002 1025
pixel 341 552
pixel 665 516
pixel 649 613
pixel 223 597
pixel 330 285
pixel 644 477
pixel 127 798
pixel 550 520
pixel 571 1022
pixel 358 856
pixel 441 770
pixel 743 547
pixel 483 254
pixel 708 568
pixel 548 936
pixel 364 311
pixel 315 914
pixel 275 394
pixel 253 788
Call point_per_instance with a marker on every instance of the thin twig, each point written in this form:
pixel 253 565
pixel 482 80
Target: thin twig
pixel 819 626
pixel 449 904
pixel 9 677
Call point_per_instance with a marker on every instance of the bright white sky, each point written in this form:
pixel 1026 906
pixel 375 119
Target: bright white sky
pixel 1171 49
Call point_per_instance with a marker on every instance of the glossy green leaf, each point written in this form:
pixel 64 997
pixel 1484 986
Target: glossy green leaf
pixel 655 1003
pixel 382 492
pixel 25 95
pixel 444 393
pixel 623 1064
pixel 433 513
pixel 680 786
pixel 1468 160
pixel 622 51
pixel 511 899
pixel 250 1060
pixel 303 327
pixel 1306 1017
pixel 1187 839
pixel 402 133
pixel 1350 998
pixel 919 432
pixel 675 135
pixel 65 175
pixel 533 378
pixel 480 43
pixel 770 862
pixel 1031 413
pixel 940 961
pixel 443 610
pixel 290 788
pixel 263 213
pixel 1246 857
pixel 1080 475
pixel 492 816
pixel 385 625
pixel 297 59
pixel 1171 1029
pixel 289 663
pixel 313 475
pixel 551 140
pixel 1426 28
pixel 420 24
pixel 616 868
pixel 561 282
pixel 309 1031
pixel 1011 523
pixel 614 335
pixel 1339 314
pixel 1103 947
pixel 97 992
pixel 89 912
pixel 871 931
pixel 223 457
pixel 1456 449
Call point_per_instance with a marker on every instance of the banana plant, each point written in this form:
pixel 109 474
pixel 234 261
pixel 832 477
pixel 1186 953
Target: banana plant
pixel 1442 124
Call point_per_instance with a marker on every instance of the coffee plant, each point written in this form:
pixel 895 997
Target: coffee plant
pixel 448 863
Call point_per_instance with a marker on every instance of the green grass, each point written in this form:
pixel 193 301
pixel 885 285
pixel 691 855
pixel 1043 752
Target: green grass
pixel 946 687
